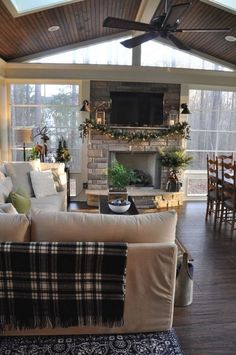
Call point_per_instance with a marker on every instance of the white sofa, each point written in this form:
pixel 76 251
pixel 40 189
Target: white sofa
pixel 17 176
pixel 151 261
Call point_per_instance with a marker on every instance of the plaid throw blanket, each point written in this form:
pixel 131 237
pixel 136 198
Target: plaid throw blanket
pixel 61 284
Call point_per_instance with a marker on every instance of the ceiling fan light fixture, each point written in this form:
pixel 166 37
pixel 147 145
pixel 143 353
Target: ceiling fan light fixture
pixel 230 38
pixel 53 28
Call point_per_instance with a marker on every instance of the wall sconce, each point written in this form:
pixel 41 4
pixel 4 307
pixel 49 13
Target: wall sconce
pixel 85 106
pixel 23 136
pixel 185 110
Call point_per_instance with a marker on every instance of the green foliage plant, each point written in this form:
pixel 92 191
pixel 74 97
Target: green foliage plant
pixel 35 152
pixel 63 154
pixel 175 159
pixel 119 176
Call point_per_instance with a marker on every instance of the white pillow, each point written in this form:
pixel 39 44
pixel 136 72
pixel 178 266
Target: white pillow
pixel 7 208
pixel 5 188
pixel 43 184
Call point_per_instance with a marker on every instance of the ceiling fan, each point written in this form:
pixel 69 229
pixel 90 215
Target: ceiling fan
pixel 162 25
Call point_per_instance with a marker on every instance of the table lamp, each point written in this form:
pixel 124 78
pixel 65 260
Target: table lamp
pixel 23 136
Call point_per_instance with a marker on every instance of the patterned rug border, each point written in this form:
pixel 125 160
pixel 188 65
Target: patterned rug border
pixel 154 343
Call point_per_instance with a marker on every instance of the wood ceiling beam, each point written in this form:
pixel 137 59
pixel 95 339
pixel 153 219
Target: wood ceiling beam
pixel 147 10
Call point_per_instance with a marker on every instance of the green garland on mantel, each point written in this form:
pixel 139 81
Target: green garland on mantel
pixel 180 129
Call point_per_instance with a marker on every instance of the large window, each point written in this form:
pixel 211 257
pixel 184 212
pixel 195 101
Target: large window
pixel 53 106
pixel 213 124
pixel 213 131
pixel 109 52
pixel 154 53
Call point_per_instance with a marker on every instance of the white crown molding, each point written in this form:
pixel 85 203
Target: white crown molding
pixel 74 72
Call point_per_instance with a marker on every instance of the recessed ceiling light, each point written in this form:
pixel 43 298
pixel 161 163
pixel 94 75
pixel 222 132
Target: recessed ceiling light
pixel 53 28
pixel 230 38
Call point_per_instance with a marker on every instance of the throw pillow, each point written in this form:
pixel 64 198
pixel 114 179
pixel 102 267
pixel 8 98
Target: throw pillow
pixel 8 208
pixel 19 173
pixel 43 184
pixel 36 164
pixel 57 180
pixel 20 201
pixel 5 188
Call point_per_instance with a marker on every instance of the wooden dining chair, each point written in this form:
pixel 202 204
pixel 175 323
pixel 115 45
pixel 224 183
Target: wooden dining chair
pixel 224 158
pixel 213 190
pixel 228 195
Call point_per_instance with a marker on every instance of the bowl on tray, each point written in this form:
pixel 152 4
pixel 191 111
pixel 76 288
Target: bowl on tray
pixel 119 205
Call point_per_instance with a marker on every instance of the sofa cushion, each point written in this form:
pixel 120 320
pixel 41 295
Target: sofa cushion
pixel 73 226
pixel 14 227
pixel 49 203
pixel 19 173
pixel 5 188
pixel 7 208
pixel 43 183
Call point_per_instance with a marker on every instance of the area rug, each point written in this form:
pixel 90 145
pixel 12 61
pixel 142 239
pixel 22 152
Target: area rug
pixel 161 343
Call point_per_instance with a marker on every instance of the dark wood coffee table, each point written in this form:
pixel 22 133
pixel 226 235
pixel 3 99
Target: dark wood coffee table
pixel 104 208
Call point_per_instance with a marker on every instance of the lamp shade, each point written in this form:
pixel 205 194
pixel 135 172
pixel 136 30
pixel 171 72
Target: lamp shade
pixel 24 135
pixel 185 110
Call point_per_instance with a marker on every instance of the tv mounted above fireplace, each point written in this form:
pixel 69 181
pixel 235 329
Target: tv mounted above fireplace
pixel 136 109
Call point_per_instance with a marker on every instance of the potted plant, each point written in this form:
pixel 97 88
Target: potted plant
pixel 119 176
pixel 175 160
pixel 36 152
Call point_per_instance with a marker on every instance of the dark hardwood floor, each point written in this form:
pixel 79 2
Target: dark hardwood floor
pixel 208 326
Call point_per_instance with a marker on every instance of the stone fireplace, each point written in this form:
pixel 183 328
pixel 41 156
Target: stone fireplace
pixel 134 155
pixel 141 155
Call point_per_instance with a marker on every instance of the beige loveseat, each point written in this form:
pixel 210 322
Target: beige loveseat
pixel 18 176
pixel 151 261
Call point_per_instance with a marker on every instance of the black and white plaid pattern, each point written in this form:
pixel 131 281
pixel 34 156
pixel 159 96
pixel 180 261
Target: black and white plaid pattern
pixel 50 284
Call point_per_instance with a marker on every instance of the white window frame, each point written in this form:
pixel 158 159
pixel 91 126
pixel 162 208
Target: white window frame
pixel 42 82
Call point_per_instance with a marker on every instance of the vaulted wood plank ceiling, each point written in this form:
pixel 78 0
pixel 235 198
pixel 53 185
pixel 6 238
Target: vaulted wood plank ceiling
pixel 82 21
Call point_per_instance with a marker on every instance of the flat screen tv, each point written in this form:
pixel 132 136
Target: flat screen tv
pixel 136 109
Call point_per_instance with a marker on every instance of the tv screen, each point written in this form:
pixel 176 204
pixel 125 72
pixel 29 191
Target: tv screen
pixel 136 109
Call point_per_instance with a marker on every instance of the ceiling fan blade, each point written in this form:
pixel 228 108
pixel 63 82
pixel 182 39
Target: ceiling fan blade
pixel 204 30
pixel 114 22
pixel 136 41
pixel 175 13
pixel 178 43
